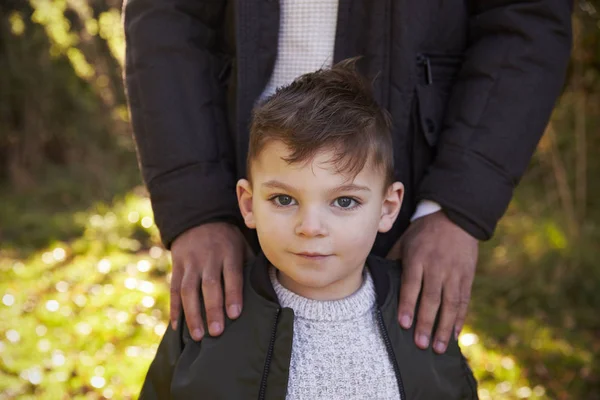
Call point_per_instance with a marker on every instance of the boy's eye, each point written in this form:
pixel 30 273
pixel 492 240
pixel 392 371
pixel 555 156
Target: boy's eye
pixel 345 202
pixel 283 200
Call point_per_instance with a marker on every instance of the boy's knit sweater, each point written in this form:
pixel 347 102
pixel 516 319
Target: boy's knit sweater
pixel 338 351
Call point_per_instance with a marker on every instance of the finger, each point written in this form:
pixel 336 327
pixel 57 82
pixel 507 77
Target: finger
pixel 233 277
pixel 449 311
pixel 191 302
pixel 463 306
pixel 412 276
pixel 428 308
pixel 175 294
pixel 212 292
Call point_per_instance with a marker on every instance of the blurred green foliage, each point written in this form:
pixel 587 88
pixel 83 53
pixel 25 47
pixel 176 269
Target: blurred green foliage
pixel 84 280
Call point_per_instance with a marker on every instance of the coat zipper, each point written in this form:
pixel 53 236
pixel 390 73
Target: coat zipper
pixel 263 381
pixel 388 345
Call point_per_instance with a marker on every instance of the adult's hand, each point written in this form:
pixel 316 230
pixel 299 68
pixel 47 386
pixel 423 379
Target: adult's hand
pixel 201 256
pixel 440 258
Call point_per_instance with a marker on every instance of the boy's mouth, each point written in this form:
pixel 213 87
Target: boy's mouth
pixel 312 255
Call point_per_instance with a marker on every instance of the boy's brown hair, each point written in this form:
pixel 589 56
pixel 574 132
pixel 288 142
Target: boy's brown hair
pixel 330 109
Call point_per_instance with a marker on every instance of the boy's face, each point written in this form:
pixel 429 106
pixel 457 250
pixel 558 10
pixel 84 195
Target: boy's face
pixel 314 224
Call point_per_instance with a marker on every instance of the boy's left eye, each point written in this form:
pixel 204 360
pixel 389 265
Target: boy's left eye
pixel 345 202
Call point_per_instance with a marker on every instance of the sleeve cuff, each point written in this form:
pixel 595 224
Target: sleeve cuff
pixel 425 207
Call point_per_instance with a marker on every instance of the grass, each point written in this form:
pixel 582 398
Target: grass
pixel 84 301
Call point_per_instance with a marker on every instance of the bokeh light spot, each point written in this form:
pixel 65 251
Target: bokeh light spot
pixel 13 336
pixel 84 328
pixel 160 328
pixel 8 299
pixel 146 222
pixel 524 392
pixel 155 252
pixel 143 265
pixel 47 258
pixel 44 345
pixel 59 254
pixel 98 382
pixel 62 286
pixel 131 283
pixel 80 300
pixel 41 330
pixel 133 351
pixel 507 363
pixel 104 266
pixel 133 217
pixel 58 358
pixel 146 286
pixel 52 305
pixel 148 301
pixel 468 339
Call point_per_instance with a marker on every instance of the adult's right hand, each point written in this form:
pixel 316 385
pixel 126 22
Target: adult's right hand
pixel 201 256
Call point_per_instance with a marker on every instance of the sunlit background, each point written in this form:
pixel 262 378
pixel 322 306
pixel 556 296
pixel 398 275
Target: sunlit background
pixel 84 279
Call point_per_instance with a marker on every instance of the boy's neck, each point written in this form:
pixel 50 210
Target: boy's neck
pixel 340 289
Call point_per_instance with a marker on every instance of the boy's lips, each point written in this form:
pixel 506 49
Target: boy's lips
pixel 312 255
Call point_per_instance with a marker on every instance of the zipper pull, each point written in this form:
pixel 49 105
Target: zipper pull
pixel 424 61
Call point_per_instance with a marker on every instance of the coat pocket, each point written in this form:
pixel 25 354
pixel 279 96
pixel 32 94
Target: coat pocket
pixel 436 74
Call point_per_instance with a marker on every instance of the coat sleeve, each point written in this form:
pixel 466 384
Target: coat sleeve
pixel 513 72
pixel 174 79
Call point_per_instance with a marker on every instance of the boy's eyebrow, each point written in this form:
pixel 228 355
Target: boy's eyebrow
pixel 273 184
pixel 350 187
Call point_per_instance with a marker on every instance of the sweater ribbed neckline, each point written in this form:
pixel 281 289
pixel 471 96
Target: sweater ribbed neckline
pixel 348 308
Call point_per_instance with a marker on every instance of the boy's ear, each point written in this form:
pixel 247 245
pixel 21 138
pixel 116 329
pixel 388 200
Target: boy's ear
pixel 243 190
pixel 391 206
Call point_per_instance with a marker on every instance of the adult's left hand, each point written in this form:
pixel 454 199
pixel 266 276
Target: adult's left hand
pixel 439 260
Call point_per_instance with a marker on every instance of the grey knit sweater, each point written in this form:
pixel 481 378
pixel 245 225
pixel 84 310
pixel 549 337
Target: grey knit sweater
pixel 337 350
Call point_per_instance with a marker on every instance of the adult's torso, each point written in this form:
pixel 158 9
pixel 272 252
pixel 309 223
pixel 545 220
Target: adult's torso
pixel 412 50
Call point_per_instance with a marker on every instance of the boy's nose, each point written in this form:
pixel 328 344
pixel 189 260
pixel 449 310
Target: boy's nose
pixel 310 224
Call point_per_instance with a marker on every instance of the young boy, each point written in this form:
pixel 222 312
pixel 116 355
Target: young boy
pixel 320 313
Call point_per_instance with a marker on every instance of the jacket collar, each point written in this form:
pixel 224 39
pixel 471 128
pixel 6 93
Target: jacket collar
pixel 261 283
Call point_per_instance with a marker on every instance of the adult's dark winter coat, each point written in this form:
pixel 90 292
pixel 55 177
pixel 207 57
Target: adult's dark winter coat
pixel 469 84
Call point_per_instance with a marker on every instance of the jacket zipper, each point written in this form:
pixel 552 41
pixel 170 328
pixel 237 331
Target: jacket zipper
pixel 388 345
pixel 263 381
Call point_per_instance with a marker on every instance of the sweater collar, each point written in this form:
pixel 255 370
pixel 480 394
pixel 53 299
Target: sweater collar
pixel 348 308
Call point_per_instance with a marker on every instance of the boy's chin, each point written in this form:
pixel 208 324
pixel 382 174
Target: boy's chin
pixel 318 284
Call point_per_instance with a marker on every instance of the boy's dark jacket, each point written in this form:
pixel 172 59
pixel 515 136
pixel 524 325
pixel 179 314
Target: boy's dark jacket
pixel 251 359
pixel 470 85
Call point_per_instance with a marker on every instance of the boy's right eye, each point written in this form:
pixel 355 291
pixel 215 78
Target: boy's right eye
pixel 282 200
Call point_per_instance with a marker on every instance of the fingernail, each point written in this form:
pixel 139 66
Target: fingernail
pixel 440 347
pixel 423 341
pixel 174 325
pixel 234 311
pixel 215 328
pixel 197 334
pixel 456 333
pixel 405 321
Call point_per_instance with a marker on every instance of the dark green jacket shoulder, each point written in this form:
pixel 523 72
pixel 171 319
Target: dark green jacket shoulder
pixel 251 359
